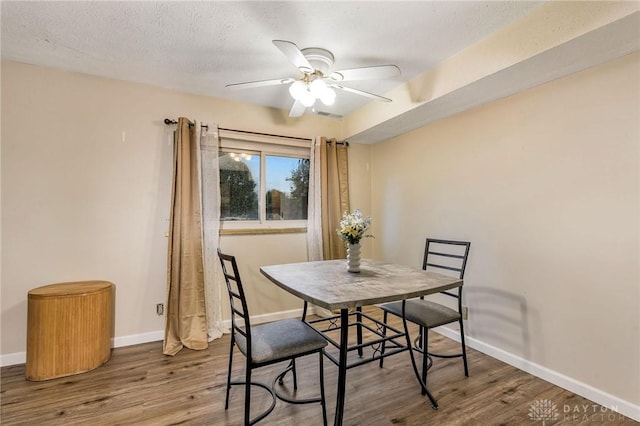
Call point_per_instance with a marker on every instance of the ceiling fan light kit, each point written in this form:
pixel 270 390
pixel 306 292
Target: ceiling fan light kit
pixel 317 81
pixel 308 92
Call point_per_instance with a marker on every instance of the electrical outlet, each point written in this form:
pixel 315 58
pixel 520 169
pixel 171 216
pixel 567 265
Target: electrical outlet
pixel 465 312
pixel 160 309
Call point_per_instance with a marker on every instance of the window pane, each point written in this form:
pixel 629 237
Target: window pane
pixel 287 187
pixel 239 185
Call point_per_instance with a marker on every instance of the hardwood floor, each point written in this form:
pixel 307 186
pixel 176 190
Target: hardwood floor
pixel 140 386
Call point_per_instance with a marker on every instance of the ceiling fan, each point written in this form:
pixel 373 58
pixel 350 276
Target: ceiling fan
pixel 318 81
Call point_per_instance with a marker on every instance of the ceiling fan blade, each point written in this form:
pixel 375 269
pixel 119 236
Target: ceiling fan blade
pixel 297 109
pixel 366 73
pixel 260 83
pixel 361 93
pixel 294 55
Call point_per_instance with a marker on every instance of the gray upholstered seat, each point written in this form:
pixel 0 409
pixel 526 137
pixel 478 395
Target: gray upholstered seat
pixel 266 344
pixel 424 312
pixel 280 340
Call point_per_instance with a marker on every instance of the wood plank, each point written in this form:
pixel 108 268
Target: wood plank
pixel 141 386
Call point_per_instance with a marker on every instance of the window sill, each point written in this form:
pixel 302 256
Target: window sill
pixel 263 231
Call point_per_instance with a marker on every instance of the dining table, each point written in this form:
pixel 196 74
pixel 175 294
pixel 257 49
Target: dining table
pixel 329 285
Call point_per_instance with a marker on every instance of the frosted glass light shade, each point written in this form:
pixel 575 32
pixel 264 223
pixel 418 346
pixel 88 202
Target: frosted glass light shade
pixel 307 93
pixel 328 97
pixel 308 99
pixel 298 90
pixel 318 88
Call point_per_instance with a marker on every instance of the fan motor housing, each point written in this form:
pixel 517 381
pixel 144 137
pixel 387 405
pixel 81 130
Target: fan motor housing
pixel 320 59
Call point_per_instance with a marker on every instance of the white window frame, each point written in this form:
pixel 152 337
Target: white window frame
pixel 263 145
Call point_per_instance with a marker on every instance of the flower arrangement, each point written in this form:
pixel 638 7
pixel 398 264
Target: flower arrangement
pixel 353 227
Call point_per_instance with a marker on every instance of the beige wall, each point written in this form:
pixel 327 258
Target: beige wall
pixel 80 203
pixel 546 186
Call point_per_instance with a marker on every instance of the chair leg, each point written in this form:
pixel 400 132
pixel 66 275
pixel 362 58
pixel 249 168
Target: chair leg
pixel 418 341
pixel 226 403
pixel 295 376
pixel 425 356
pixel 464 349
pixel 247 395
pixel 434 403
pixel 322 400
pixel 384 333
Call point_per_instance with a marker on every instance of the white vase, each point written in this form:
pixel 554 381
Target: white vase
pixel 353 257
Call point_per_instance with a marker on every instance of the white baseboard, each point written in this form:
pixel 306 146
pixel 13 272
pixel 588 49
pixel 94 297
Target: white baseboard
pixel 154 336
pixel 259 319
pixel 136 339
pixel 598 396
pixel 117 342
pixel 13 359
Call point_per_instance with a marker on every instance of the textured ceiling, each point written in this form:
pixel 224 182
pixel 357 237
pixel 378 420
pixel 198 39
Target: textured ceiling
pixel 199 47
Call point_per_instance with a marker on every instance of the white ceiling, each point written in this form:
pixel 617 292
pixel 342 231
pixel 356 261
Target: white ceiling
pixel 199 47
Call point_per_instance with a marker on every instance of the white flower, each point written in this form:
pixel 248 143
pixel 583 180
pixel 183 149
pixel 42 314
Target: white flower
pixel 353 226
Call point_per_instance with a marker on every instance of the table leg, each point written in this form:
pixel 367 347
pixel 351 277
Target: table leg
pixel 342 365
pixel 359 329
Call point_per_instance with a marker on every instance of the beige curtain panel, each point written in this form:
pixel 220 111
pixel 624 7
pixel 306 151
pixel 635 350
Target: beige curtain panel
pixel 334 183
pixel 186 320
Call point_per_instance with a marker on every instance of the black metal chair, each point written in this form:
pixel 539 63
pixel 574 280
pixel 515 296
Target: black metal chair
pixel 267 344
pixel 439 255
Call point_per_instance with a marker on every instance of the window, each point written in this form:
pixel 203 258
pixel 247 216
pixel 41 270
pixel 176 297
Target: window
pixel 239 185
pixel 264 184
pixel 287 187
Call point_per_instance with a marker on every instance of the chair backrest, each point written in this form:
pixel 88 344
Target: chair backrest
pixel 446 256
pixel 239 312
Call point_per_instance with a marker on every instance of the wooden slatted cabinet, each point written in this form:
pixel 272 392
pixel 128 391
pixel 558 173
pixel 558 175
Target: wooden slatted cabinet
pixel 69 328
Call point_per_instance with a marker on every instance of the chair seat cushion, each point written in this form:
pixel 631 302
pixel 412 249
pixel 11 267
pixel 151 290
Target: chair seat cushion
pixel 423 312
pixel 281 340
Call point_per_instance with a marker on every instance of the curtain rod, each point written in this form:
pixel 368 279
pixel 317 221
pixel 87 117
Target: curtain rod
pixel 170 122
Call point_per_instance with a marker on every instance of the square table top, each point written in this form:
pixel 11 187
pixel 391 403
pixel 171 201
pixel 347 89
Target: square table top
pixel 328 284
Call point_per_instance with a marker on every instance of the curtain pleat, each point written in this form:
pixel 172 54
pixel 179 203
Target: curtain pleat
pixel 186 318
pixel 334 182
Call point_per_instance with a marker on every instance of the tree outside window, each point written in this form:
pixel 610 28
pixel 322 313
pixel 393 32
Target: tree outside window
pixel 239 187
pixel 287 188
